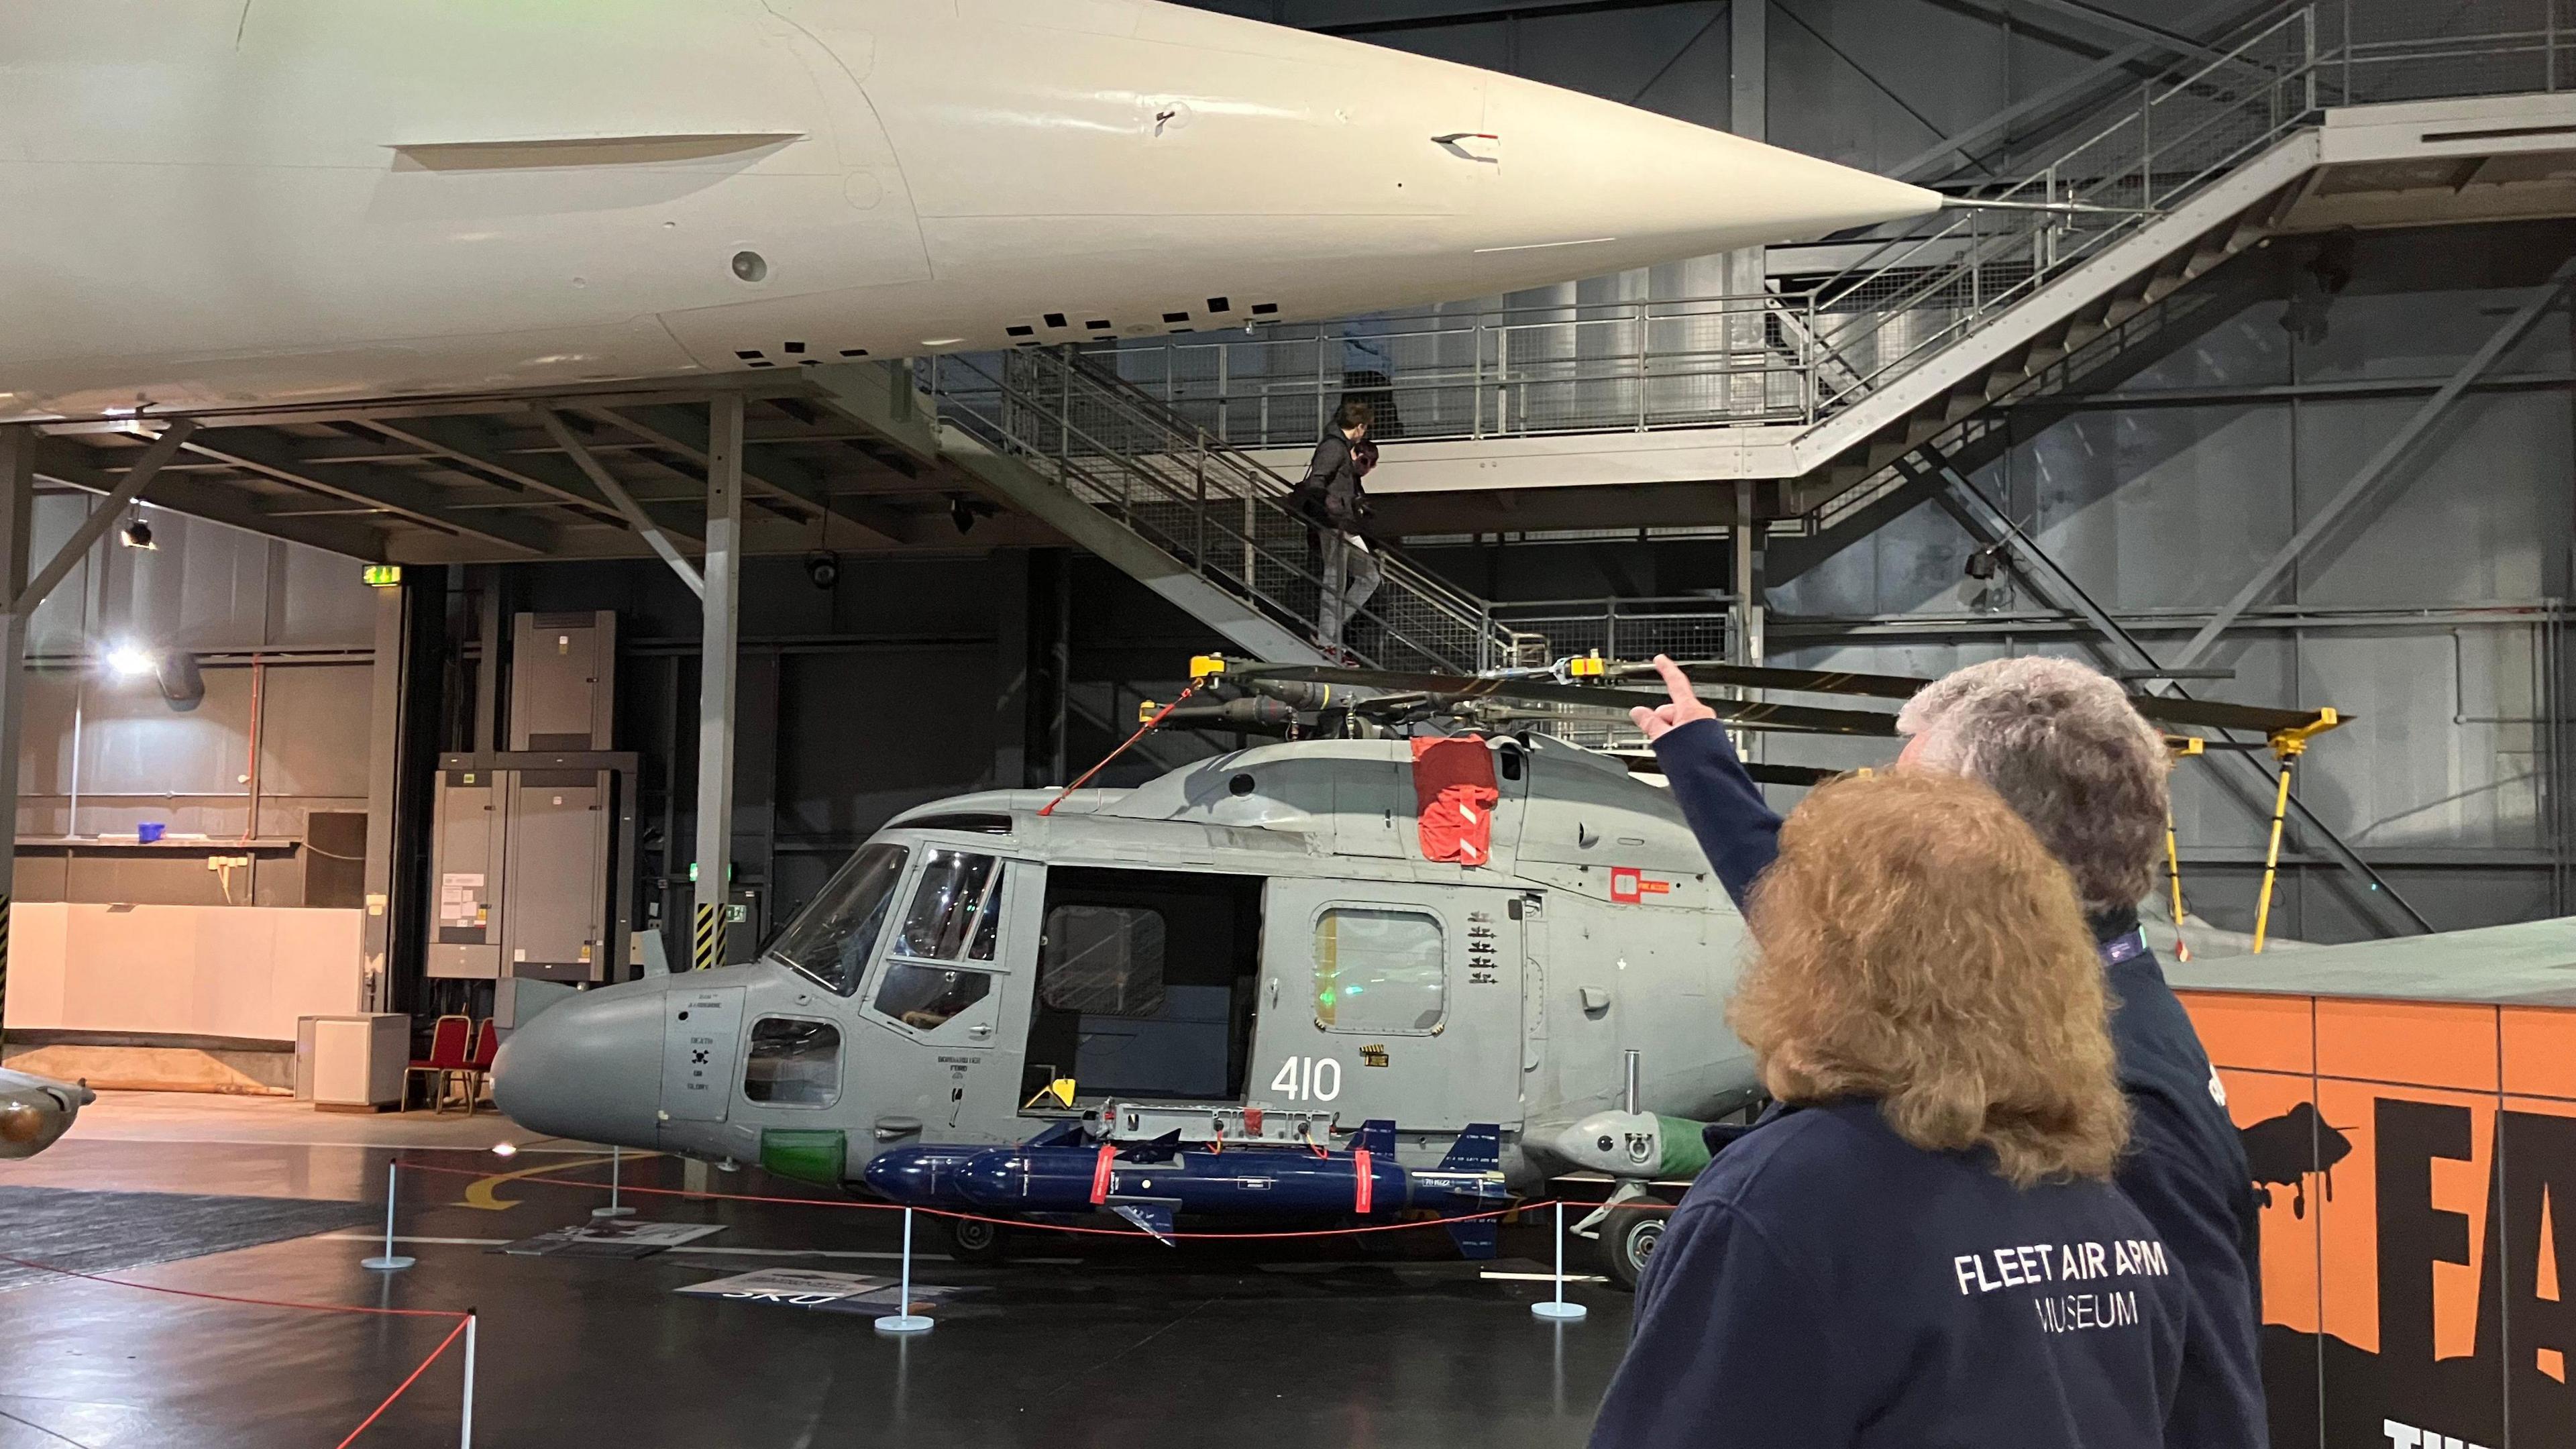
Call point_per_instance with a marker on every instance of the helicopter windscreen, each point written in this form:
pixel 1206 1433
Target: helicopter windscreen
pixel 832 938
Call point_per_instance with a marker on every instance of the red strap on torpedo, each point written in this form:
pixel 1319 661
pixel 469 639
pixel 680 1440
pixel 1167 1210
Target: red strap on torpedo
pixel 1367 1182
pixel 1100 1173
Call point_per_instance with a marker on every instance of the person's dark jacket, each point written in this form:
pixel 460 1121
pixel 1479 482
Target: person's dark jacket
pixel 1330 495
pixel 1825 1282
pixel 2185 1167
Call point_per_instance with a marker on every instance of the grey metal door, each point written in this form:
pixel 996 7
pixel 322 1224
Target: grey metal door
pixel 1392 1001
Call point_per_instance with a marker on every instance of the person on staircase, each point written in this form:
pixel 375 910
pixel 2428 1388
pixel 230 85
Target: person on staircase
pixel 1333 501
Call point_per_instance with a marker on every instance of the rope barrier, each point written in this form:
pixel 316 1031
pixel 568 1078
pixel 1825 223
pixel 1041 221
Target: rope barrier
pixel 229 1298
pixel 825 1202
pixel 464 1320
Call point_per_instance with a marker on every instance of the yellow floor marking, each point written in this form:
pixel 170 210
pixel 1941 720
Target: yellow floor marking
pixel 480 1192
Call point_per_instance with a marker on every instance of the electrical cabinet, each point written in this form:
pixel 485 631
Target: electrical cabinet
pixel 533 846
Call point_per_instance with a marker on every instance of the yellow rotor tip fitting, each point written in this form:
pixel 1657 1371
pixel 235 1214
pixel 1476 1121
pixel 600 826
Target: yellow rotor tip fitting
pixel 1146 711
pixel 1589 667
pixel 1206 666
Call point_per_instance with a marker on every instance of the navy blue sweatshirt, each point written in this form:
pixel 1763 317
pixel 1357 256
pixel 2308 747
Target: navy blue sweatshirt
pixel 1828 1284
pixel 2185 1167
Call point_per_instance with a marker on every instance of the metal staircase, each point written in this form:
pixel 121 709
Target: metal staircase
pixel 1849 392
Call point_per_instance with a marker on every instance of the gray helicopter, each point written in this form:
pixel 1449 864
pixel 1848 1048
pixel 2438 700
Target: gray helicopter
pixel 1390 918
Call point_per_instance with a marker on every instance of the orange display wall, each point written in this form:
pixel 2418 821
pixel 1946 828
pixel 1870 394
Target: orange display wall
pixel 2417 1166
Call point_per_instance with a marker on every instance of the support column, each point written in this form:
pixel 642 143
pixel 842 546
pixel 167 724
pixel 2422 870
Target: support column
pixel 1749 648
pixel 17 506
pixel 716 678
pixel 1748 115
pixel 1011 568
pixel 404 719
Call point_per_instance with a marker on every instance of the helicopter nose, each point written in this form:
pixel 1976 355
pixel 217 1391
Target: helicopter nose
pixel 587 1068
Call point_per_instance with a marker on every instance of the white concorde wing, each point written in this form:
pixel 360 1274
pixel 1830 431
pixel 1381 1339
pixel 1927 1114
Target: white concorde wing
pixel 218 203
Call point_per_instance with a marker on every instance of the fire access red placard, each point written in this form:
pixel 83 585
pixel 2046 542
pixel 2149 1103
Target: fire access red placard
pixel 1453 787
pixel 1628 885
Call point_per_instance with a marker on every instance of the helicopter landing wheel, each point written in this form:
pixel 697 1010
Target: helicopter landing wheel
pixel 973 1240
pixel 1629 1238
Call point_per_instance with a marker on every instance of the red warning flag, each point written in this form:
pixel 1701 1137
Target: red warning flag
pixel 1364 1195
pixel 1101 1167
pixel 1453 787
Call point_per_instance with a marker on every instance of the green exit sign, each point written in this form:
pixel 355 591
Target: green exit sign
pixel 383 576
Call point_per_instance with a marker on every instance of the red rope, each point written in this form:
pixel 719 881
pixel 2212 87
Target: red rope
pixel 461 1322
pixel 462 1319
pixel 1141 731
pixel 228 1298
pixel 825 1202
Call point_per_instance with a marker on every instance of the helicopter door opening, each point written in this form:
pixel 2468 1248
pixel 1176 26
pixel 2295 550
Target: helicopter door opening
pixel 1145 984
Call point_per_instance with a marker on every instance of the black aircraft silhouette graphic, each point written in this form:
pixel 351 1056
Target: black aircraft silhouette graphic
pixel 2283 1150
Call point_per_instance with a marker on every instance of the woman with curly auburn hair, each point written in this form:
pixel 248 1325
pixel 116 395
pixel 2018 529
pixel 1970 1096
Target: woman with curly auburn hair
pixel 1924 1247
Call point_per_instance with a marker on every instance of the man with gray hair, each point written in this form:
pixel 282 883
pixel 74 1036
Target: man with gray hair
pixel 2065 749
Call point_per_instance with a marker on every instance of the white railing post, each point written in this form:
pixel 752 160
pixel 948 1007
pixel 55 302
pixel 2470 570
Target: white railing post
pixel 389 1261
pixel 465 1423
pixel 1557 1308
pixel 903 1319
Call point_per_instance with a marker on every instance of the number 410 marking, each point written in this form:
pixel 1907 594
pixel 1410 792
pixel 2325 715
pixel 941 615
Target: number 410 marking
pixel 1302 1079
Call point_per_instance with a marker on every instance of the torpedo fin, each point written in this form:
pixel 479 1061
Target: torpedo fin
pixel 1375 1137
pixel 1479 1148
pixel 1152 1215
pixel 1166 1148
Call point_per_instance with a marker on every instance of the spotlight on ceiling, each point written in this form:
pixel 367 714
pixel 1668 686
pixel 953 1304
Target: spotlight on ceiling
pixel 129 660
pixel 138 534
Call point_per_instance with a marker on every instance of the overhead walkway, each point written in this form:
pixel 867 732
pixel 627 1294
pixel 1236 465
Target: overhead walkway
pixel 1838 396
pixel 1821 386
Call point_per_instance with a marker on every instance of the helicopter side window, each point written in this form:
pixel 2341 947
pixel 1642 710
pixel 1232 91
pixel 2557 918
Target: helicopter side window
pixel 793 1063
pixel 1380 970
pixel 925 997
pixel 956 909
pixel 832 939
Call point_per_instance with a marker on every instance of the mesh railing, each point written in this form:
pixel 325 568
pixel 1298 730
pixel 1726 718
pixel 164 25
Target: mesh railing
pixel 1801 351
pixel 1218 512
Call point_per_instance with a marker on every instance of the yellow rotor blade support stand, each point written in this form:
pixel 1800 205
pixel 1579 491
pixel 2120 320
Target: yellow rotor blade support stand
pixel 2287 746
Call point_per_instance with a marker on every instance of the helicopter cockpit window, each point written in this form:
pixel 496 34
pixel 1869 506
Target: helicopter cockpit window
pixel 793 1063
pixel 925 997
pixel 955 910
pixel 1379 971
pixel 832 938
pixel 1102 960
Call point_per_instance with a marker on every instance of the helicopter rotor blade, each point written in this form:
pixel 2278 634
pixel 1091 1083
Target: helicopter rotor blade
pixel 2202 713
pixel 1743 713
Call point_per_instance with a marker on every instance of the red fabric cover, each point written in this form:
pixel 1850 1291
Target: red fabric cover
pixel 1453 787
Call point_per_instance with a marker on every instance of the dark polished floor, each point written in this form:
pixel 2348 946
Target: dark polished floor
pixel 1096 1343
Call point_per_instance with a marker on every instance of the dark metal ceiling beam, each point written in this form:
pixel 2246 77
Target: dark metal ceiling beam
pixel 474 443
pixel 413 498
pixel 75 465
pixel 683 431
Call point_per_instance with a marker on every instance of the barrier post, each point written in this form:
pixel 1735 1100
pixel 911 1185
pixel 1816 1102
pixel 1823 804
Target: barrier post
pixel 903 1319
pixel 389 1261
pixel 1557 1308
pixel 616 1171
pixel 466 1434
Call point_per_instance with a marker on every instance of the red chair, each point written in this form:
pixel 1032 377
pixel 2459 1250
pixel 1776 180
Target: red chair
pixel 448 1043
pixel 478 1067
